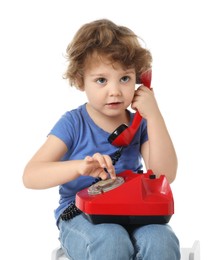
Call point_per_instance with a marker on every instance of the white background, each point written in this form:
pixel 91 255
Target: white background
pixel 182 36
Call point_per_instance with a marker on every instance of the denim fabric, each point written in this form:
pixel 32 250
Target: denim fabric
pixel 82 240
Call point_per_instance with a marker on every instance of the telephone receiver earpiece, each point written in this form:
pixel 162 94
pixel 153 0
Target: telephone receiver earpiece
pixel 123 135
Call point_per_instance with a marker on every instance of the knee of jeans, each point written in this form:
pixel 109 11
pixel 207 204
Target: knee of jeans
pixel 165 236
pixel 161 238
pixel 116 239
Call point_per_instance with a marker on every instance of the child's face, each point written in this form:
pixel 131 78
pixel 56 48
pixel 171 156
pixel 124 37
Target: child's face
pixel 109 88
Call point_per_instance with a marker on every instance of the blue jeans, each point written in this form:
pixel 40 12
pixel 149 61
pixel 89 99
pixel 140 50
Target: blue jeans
pixel 82 240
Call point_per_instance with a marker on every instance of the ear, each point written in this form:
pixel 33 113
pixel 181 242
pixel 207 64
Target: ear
pixel 82 89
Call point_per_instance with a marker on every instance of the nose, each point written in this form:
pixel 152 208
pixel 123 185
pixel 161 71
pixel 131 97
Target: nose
pixel 114 89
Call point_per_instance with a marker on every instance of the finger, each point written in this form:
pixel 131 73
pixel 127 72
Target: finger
pixel 106 163
pixel 144 88
pixel 103 175
pixel 109 166
pixel 100 158
pixel 89 159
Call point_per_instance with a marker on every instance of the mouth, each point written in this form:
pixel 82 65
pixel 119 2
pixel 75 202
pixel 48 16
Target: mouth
pixel 114 103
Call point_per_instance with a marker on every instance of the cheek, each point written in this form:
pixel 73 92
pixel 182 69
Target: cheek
pixel 89 94
pixel 93 96
pixel 130 95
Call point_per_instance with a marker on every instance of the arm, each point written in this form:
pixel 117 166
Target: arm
pixel 158 152
pixel 45 170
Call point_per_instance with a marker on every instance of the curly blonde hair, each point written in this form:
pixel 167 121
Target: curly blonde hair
pixel 104 37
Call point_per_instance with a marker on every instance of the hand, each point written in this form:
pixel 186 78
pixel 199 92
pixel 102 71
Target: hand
pixel 144 101
pixel 98 165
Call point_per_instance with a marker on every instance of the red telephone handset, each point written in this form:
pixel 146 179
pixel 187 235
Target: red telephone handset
pixel 123 135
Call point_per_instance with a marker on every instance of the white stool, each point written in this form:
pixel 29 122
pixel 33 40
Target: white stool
pixel 192 253
pixel 58 254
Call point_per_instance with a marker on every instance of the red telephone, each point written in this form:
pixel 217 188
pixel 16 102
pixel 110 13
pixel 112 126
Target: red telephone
pixel 123 135
pixel 133 199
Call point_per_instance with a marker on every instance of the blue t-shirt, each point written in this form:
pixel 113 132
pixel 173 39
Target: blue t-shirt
pixel 83 137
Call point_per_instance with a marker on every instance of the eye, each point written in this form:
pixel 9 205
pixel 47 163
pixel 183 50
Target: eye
pixel 101 81
pixel 125 79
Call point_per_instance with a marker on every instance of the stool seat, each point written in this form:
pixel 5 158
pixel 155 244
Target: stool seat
pixel 58 254
pixel 192 253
